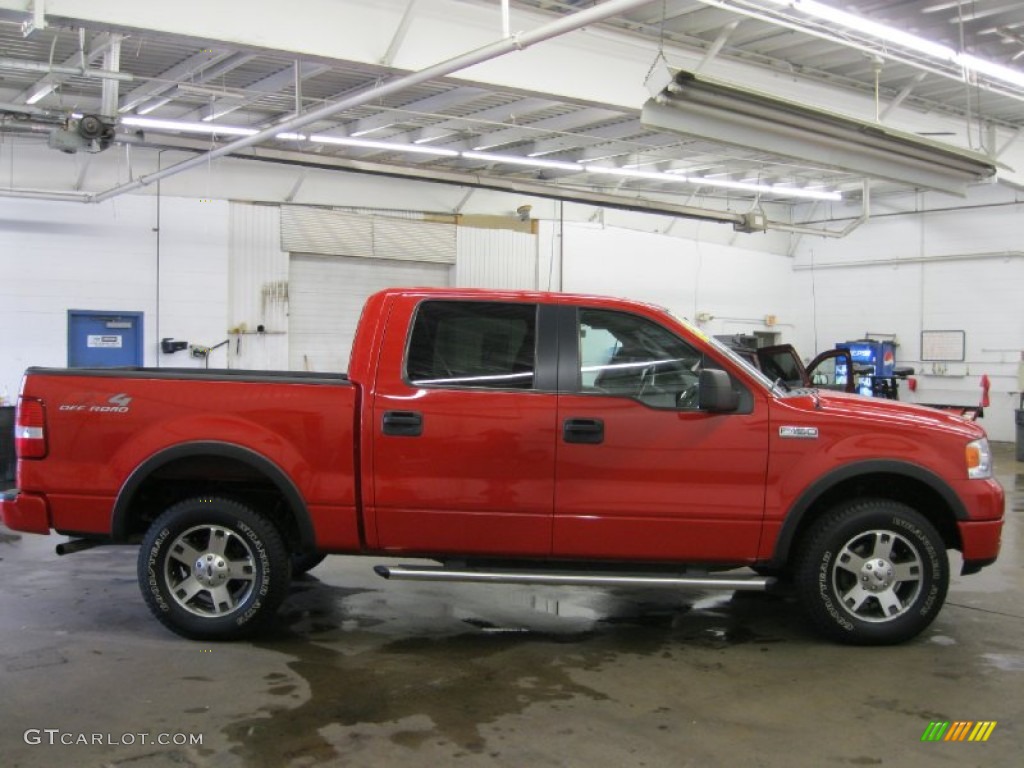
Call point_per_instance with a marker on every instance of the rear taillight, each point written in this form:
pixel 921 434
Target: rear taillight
pixel 30 429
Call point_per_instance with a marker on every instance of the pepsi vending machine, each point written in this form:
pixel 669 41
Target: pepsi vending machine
pixel 876 359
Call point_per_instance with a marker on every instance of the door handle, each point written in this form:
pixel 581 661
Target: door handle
pixel 402 423
pixel 588 431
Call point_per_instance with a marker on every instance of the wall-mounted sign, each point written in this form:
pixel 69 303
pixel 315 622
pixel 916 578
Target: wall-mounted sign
pixel 104 342
pixel 943 346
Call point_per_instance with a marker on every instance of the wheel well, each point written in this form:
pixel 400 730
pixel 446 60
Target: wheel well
pixel 208 475
pixel 916 494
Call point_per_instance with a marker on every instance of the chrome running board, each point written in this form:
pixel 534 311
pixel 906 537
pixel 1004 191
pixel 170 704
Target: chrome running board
pixel 571 579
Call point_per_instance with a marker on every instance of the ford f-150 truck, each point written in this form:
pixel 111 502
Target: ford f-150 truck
pixel 509 437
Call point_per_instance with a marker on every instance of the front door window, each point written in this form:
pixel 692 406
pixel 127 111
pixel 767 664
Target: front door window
pixel 626 355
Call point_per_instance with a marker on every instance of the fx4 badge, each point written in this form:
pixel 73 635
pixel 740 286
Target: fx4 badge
pixel 119 403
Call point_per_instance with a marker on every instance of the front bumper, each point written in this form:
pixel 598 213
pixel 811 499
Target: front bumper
pixel 26 512
pixel 980 541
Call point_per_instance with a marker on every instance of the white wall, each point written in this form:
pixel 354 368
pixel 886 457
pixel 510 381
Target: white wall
pixel 736 287
pixel 257 289
pixel 60 256
pixel 495 258
pixel 29 163
pixel 904 272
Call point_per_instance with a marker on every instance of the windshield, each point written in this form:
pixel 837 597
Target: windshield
pixel 727 353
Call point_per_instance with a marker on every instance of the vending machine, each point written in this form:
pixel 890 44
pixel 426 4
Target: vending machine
pixel 874 361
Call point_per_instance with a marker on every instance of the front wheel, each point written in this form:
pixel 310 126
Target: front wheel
pixel 213 569
pixel 304 562
pixel 872 572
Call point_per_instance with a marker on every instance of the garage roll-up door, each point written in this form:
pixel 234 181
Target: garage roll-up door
pixel 317 230
pixel 326 294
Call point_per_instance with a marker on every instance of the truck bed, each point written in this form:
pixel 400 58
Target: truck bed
pixel 106 426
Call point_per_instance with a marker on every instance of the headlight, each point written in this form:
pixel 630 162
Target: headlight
pixel 979 460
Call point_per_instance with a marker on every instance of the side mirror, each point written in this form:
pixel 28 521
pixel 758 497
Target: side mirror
pixel 716 392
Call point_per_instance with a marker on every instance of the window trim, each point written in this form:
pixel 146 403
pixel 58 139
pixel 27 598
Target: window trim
pixel 570 361
pixel 544 355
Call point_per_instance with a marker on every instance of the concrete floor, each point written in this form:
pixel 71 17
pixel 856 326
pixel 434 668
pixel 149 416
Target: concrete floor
pixel 365 672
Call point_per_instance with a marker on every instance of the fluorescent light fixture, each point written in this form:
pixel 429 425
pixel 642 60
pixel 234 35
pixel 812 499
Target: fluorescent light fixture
pixel 778 190
pixel 432 137
pixel 40 93
pixel 874 28
pixel 532 162
pixel 348 141
pixel 155 104
pixel 631 173
pixel 370 130
pixel 746 186
pixel 596 156
pixel 694 105
pixel 228 105
pixel 673 176
pixel 187 127
pixel 990 68
pixel 906 40
pixel 678 176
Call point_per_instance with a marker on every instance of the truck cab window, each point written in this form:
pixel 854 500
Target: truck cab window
pixel 473 344
pixel 627 355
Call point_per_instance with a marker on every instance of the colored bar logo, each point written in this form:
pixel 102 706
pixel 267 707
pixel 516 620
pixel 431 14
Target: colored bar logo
pixel 960 730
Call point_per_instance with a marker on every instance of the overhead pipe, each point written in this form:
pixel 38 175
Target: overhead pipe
pixel 25 125
pixel 463 179
pixel 53 195
pixel 57 69
pixel 517 41
pixel 899 261
pixel 471 181
pixel 800 229
pixel 25 109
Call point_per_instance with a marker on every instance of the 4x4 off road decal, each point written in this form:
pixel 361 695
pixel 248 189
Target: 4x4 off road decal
pixel 119 403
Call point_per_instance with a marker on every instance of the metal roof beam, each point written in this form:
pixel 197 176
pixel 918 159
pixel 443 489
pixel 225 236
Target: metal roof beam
pixel 466 60
pixel 720 41
pixel 268 86
pixel 902 95
pixel 50 82
pixel 429 104
pixel 570 121
pixel 494 115
pixel 166 81
pixel 601 135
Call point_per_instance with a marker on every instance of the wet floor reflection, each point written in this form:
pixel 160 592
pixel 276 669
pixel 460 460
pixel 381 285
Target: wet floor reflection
pixel 455 666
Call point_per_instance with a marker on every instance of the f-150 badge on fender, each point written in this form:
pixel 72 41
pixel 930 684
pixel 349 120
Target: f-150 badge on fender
pixel 799 433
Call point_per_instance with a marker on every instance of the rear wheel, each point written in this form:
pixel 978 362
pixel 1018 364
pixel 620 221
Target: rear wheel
pixel 213 569
pixel 872 572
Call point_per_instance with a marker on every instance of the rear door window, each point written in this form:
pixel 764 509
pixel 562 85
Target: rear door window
pixel 473 344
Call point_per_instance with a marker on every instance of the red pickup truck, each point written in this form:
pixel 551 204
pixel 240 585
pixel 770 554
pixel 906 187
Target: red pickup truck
pixel 510 437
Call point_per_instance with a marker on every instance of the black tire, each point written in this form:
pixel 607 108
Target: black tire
pixel 872 572
pixel 304 562
pixel 212 569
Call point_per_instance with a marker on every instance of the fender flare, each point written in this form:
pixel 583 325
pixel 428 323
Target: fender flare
pixel 119 525
pixel 798 511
